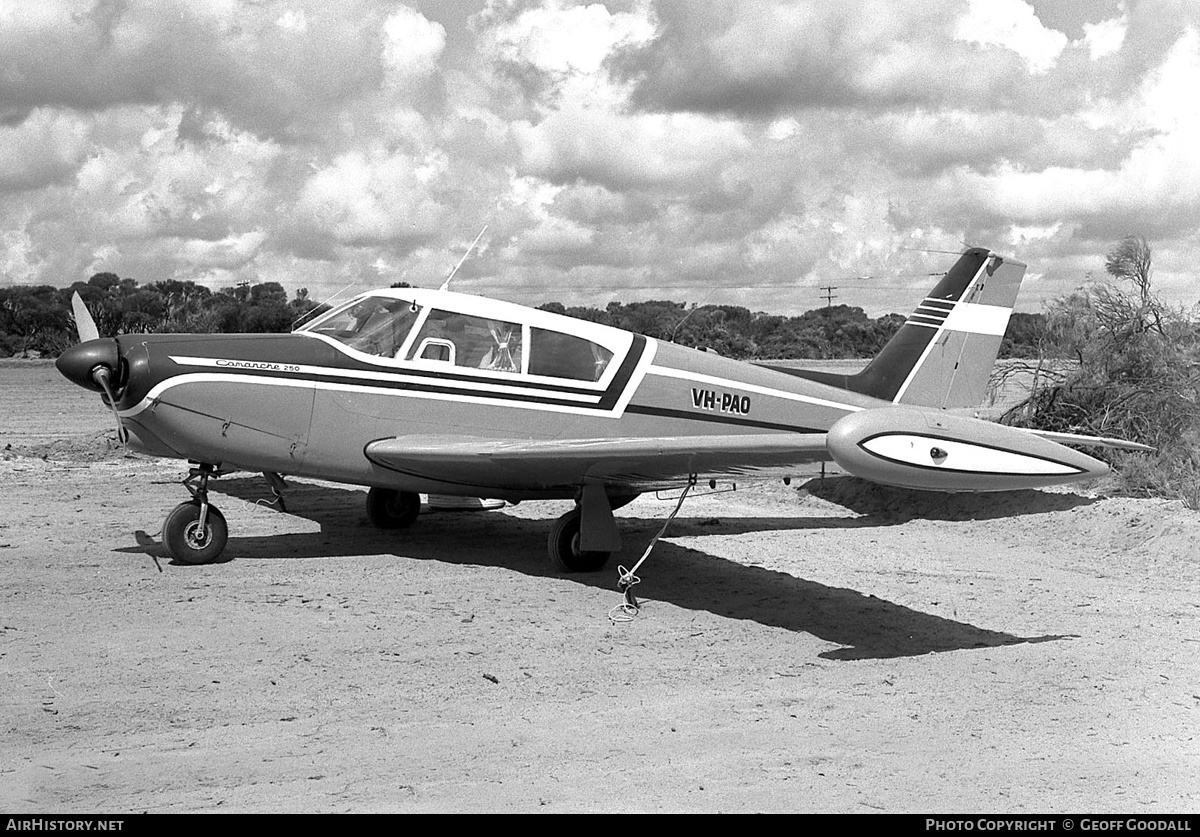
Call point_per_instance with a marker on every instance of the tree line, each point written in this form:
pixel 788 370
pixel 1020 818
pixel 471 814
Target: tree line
pixel 829 333
pixel 37 320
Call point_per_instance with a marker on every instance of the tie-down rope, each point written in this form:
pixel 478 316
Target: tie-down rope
pixel 626 610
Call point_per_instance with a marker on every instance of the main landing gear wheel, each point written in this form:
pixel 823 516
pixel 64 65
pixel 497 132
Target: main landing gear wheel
pixel 388 508
pixel 189 542
pixel 564 547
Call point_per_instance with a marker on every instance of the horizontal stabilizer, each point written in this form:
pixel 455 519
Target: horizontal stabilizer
pixel 1094 441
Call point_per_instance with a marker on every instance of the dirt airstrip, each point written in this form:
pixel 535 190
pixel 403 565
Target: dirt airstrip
pixel 824 646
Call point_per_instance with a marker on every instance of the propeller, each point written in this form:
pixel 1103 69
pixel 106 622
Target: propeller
pixel 103 377
pixel 84 324
pixel 93 361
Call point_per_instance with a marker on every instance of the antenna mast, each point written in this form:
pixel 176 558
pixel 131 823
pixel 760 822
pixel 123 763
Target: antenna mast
pixel 446 284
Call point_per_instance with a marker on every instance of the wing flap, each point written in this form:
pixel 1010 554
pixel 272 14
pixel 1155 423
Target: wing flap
pixel 639 463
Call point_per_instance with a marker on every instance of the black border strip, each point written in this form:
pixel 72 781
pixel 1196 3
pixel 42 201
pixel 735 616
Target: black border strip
pixel 621 380
pixel 408 386
pixel 863 444
pixel 426 374
pixel 663 412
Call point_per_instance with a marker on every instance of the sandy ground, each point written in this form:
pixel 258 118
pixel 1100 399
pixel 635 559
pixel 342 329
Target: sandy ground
pixel 826 646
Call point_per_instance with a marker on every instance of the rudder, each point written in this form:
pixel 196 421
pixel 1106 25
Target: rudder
pixel 959 330
pixel 944 353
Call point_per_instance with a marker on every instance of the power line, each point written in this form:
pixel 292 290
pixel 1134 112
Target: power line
pixel 481 284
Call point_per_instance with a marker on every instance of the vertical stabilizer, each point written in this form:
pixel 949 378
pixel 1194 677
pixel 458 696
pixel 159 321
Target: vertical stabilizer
pixel 944 353
pixel 958 330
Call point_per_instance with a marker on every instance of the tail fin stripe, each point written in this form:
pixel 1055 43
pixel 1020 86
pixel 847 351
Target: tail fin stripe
pixel 979 319
pixel 943 354
pixel 942 327
pixel 931 312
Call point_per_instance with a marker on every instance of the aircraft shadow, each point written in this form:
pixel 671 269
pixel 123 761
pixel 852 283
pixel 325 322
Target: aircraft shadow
pixel 864 626
pixel 897 505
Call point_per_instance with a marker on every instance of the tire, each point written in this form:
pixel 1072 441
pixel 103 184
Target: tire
pixel 564 549
pixel 184 540
pixel 388 508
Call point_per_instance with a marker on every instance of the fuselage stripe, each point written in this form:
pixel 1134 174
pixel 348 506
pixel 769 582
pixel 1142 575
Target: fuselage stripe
pixel 381 378
pixel 664 412
pixel 158 393
pixel 726 383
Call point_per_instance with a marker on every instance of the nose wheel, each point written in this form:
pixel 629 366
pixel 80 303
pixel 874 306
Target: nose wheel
pixel 195 532
pixel 190 540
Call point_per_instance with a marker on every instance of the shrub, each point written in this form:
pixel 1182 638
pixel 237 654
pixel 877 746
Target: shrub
pixel 1137 377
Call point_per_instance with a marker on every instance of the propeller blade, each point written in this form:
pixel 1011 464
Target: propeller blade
pixel 83 320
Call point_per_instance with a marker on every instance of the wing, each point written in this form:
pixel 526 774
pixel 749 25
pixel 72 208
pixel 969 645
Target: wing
pixel 642 464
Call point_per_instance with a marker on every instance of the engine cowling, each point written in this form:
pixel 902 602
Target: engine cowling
pixel 933 450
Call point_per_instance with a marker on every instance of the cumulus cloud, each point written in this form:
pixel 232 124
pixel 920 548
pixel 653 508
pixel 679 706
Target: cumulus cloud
pixel 626 151
pixel 412 45
pixel 640 148
pixel 1154 187
pixel 271 77
pixel 1014 25
pixel 47 148
pixel 764 57
pixel 559 38
pixel 1106 37
pixel 372 198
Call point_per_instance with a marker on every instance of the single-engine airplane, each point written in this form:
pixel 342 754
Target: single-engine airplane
pixel 410 390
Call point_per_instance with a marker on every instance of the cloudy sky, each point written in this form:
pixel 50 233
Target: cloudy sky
pixel 727 151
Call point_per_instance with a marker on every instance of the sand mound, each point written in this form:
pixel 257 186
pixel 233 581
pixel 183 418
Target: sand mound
pixel 898 504
pixel 91 447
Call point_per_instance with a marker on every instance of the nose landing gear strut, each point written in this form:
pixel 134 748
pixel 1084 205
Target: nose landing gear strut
pixel 195 532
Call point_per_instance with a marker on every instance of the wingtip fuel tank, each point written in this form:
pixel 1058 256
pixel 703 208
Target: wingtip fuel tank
pixel 932 450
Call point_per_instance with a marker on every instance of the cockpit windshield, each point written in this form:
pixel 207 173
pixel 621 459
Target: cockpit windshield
pixel 465 335
pixel 375 325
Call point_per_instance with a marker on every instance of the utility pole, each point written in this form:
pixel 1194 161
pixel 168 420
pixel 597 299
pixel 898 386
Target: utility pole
pixel 830 296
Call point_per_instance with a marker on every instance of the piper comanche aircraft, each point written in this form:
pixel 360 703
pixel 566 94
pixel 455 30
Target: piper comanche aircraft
pixel 409 391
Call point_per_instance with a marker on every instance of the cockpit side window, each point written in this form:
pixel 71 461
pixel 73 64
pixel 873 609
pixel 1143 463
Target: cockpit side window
pixel 469 341
pixel 559 355
pixel 375 325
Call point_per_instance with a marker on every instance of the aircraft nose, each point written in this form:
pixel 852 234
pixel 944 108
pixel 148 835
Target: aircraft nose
pixel 79 363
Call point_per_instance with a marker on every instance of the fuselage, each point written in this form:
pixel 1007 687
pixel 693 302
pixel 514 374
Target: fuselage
pixel 310 402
